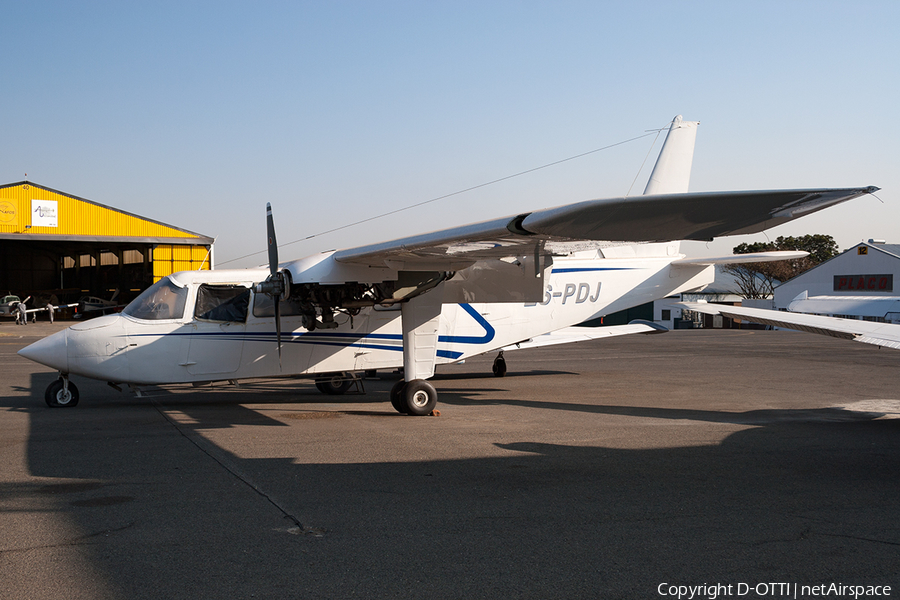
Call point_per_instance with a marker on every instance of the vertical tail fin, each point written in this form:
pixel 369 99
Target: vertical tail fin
pixel 672 172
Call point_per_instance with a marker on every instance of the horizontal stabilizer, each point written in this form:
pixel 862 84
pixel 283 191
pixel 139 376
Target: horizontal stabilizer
pixel 755 257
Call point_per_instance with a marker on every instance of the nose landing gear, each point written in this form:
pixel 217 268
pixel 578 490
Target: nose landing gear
pixel 61 393
pixel 499 367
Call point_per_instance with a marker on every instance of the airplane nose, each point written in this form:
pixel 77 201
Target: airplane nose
pixel 50 351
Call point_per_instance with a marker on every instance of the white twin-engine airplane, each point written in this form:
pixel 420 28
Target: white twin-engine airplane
pixel 431 299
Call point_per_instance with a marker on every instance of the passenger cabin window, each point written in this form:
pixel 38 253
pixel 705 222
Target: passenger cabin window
pixel 224 303
pixel 162 300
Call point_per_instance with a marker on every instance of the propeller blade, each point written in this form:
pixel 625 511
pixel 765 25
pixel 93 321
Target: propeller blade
pixel 278 327
pixel 276 284
pixel 273 246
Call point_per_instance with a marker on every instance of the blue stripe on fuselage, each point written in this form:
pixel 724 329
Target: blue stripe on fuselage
pixel 489 331
pixel 591 269
pixel 345 340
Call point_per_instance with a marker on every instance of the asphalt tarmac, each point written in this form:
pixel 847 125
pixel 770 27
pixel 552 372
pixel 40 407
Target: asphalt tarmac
pixel 620 468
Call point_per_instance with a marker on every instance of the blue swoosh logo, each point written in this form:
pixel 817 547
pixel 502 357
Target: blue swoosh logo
pixel 345 340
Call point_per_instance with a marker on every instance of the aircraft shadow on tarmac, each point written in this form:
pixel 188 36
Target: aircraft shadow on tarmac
pixel 804 497
pixel 752 417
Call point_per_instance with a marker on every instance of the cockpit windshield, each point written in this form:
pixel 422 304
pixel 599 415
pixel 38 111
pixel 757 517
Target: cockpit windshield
pixel 162 300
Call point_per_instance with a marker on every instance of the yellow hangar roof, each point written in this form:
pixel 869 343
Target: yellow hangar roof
pixel 29 211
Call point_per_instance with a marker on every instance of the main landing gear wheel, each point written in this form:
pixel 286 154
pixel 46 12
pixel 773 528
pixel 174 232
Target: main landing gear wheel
pixel 417 397
pixel 499 367
pixel 334 385
pixel 60 395
pixel 397 397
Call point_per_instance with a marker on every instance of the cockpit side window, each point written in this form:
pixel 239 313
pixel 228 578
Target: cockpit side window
pixel 162 300
pixel 228 303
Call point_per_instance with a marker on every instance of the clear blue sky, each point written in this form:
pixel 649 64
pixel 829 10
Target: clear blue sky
pixel 198 113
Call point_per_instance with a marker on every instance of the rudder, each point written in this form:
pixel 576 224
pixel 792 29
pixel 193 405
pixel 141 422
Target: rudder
pixel 672 172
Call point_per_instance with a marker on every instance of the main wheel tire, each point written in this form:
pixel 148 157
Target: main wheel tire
pixel 499 367
pixel 397 400
pixel 56 395
pixel 334 385
pixel 420 397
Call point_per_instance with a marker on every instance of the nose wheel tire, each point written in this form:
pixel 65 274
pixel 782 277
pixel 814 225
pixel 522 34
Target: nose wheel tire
pixel 59 395
pixel 499 367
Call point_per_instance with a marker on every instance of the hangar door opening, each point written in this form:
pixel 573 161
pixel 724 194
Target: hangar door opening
pixel 69 271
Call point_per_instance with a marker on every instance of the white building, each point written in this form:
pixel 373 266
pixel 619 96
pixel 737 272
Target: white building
pixel 865 271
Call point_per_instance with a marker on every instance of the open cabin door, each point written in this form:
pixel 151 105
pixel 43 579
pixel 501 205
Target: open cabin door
pixel 218 329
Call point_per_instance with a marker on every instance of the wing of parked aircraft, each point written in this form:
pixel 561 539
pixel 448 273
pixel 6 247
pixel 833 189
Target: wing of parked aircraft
pixel 869 332
pixel 688 216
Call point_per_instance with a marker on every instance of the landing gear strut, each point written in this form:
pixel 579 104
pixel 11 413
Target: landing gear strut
pixel 417 397
pixel 499 367
pixel 336 384
pixel 61 393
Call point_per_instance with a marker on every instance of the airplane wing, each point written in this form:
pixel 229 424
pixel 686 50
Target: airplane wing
pixel 869 332
pixel 664 217
pixel 568 335
pixel 47 308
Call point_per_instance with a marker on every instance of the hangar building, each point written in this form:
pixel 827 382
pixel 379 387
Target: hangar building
pixel 53 243
pixel 868 269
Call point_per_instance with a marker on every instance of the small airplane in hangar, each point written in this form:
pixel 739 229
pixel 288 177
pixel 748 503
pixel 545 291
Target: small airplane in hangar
pixel 88 306
pixel 431 299
pixel 13 306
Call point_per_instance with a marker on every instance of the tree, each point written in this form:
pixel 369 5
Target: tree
pixel 758 280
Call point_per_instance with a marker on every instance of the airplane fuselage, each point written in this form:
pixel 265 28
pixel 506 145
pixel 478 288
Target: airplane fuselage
pixel 206 344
